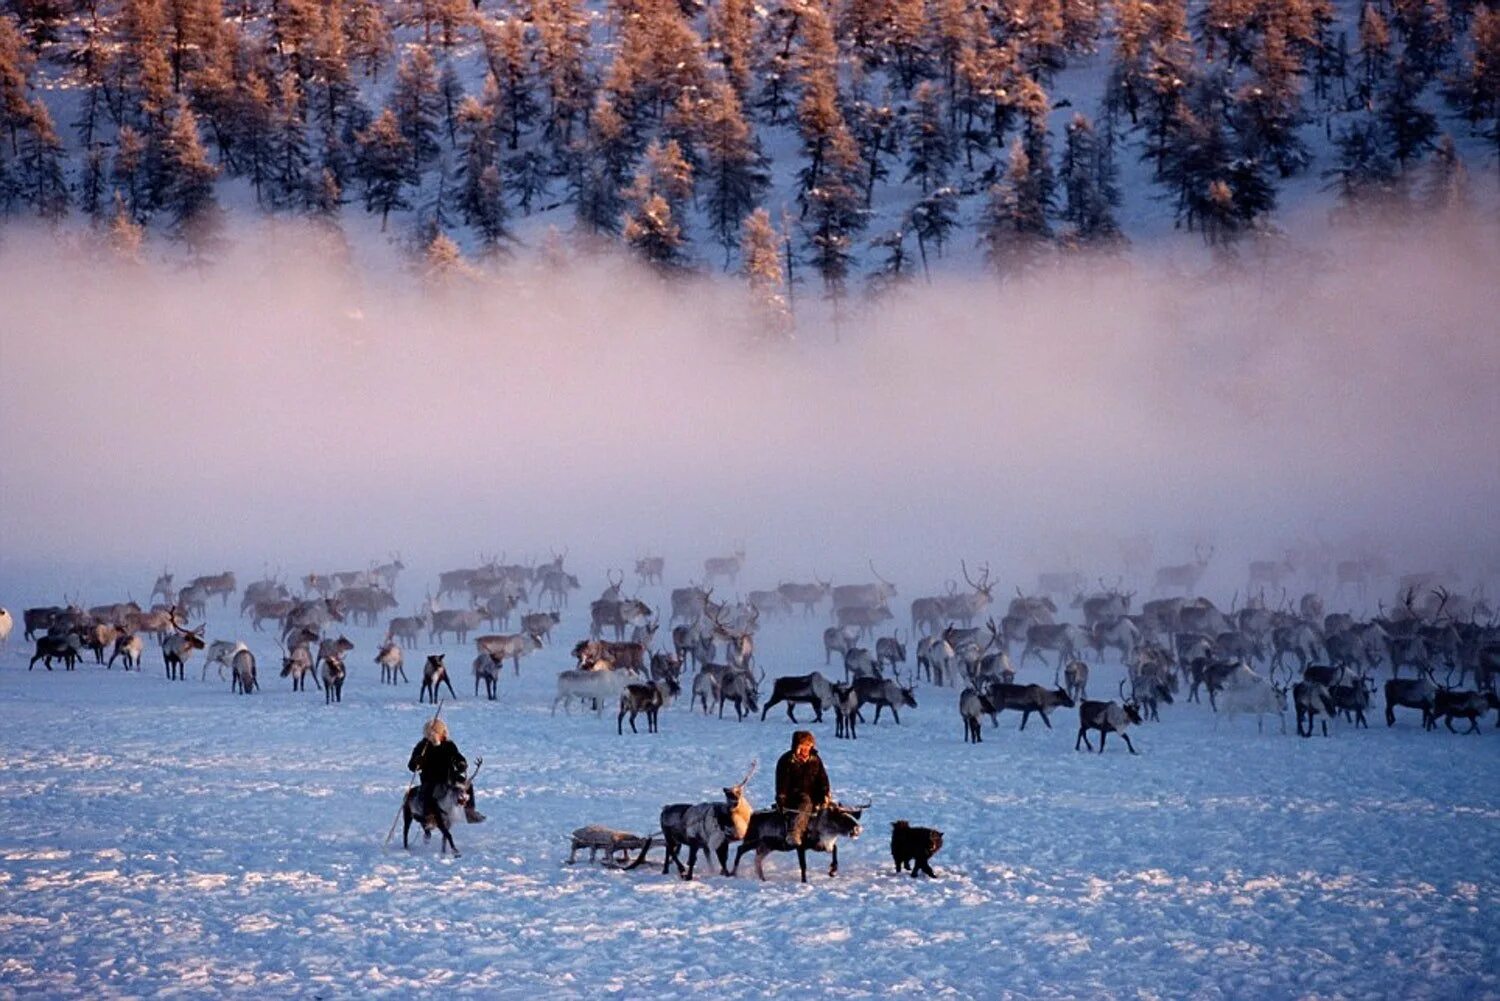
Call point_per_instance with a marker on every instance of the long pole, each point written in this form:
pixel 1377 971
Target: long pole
pixel 411 782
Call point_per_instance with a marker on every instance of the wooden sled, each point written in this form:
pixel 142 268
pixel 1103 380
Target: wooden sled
pixel 616 845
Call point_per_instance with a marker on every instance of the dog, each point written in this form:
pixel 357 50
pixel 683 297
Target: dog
pixel 914 847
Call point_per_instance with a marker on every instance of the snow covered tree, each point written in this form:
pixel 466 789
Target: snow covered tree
pixel 384 160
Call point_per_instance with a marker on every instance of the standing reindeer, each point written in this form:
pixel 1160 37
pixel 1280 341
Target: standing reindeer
pixel 724 566
pixel 1184 575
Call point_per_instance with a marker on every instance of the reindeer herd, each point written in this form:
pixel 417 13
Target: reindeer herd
pixel 1439 649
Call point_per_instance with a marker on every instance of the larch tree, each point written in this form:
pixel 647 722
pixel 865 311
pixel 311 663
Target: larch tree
pixel 416 104
pixel 734 171
pixel 384 160
pixel 1014 228
pixel 760 252
pixel 930 152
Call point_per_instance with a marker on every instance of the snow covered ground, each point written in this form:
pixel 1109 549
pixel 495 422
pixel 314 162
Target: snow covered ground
pixel 169 839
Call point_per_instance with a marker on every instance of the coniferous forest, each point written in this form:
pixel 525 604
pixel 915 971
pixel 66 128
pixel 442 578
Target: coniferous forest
pixel 853 142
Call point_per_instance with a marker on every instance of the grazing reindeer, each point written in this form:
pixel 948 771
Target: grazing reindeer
pixel 433 675
pixel 298 664
pixel 1183 575
pixel 514 645
pixel 333 678
pixel 540 624
pixel 391 661
pixel 242 675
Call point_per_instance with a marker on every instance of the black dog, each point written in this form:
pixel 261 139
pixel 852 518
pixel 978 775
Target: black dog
pixel 914 847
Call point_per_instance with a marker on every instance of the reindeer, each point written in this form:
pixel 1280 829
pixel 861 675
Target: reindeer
pixel 178 647
pixel 514 645
pixel 333 678
pixel 487 668
pixel 706 827
pixel 388 572
pixel 408 628
pixel 129 646
pixel 1184 575
pixel 650 569
pixel 724 566
pixel 434 673
pixel 806 595
pixel 299 664
pixel 965 607
pixel 163 587
pixel 540 624
pixel 391 660
pixel 242 671
pixel 644 698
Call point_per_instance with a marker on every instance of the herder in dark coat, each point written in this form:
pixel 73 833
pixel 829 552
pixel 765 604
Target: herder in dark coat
pixel 442 765
pixel 801 783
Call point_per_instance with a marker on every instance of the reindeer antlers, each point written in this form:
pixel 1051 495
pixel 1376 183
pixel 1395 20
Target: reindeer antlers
pixel 754 763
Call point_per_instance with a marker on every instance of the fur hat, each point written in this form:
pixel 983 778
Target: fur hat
pixel 436 731
pixel 800 737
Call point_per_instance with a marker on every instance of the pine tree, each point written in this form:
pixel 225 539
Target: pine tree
pixel 16 64
pixel 1374 49
pixel 40 166
pixel 599 169
pixel 1128 76
pixel 416 105
pixel 513 105
pixel 369 35
pixel 443 263
pixel 1365 176
pixel 1091 192
pixel 93 183
pixel 1269 107
pixel 384 165
pixel 730 29
pixel 931 155
pixel 129 174
pixel 125 234
pixel 1445 192
pixel 480 193
pixel 1412 129
pixel 1081 25
pixel 733 169
pixel 651 231
pixel 760 252
pixel 293 182
pixel 1474 90
pixel 834 214
pixel 932 219
pixel 562 29
pixel 895 266
pixel 187 183
pixel 1015 232
pixel 254 130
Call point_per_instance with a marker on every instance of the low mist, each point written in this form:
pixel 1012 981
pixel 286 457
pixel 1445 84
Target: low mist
pixel 285 406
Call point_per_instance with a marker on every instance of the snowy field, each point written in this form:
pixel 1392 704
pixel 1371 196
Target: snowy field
pixel 169 839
